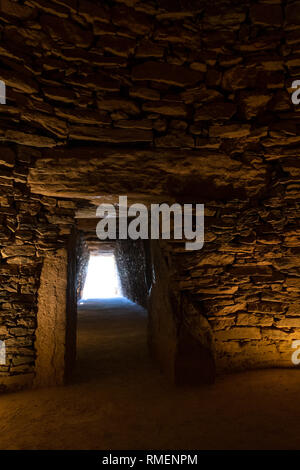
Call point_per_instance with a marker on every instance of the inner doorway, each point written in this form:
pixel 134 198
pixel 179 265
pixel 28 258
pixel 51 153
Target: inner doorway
pixel 111 327
pixel 102 279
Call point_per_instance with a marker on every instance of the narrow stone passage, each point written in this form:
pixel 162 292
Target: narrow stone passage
pixel 119 400
pixel 111 340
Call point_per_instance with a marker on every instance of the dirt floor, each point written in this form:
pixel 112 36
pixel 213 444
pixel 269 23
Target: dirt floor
pixel 119 400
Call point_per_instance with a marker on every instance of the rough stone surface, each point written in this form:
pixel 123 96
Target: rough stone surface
pixel 131 263
pixel 51 321
pixel 60 172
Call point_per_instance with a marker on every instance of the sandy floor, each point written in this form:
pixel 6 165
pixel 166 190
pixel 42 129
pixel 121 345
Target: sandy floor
pixel 119 400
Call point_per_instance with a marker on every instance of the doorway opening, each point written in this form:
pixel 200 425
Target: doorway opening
pixel 111 336
pixel 102 279
pixel 111 313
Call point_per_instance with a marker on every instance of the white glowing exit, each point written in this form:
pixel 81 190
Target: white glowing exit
pixel 102 280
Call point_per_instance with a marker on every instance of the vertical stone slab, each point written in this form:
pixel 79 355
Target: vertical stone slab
pixel 162 322
pixel 51 320
pixel 195 353
pixel 180 337
pixel 71 307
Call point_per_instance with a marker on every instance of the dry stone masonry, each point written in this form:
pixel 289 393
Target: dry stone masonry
pixel 183 100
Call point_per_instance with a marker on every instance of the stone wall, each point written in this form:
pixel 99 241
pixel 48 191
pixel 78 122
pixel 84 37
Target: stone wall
pixel 130 259
pixel 83 256
pixel 55 343
pixel 245 280
pixel 32 227
pixel 186 100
